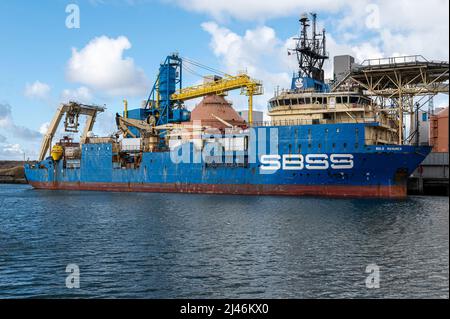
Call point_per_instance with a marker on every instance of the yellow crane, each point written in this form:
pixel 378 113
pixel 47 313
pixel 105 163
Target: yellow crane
pixel 248 86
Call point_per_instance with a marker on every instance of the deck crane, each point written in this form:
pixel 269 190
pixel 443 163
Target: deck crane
pixel 72 111
pixel 164 106
pixel 165 102
pixel 248 86
pixel 124 124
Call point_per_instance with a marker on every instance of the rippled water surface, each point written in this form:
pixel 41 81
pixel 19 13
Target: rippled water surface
pixel 202 246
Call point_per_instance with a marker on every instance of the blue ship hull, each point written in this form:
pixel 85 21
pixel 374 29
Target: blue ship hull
pixel 323 160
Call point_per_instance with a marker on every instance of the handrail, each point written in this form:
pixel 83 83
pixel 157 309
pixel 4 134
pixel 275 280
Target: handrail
pixel 395 60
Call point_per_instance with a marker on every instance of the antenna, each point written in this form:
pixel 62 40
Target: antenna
pixel 431 107
pixel 314 31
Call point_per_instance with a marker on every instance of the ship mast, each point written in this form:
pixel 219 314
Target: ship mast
pixel 311 51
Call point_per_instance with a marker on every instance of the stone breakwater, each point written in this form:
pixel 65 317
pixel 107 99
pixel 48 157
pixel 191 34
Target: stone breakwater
pixel 12 172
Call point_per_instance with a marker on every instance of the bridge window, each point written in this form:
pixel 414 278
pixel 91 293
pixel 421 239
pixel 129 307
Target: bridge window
pixel 354 100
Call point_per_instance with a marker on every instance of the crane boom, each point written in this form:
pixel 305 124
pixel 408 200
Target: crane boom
pixel 247 85
pixel 218 87
pixel 72 111
pixel 124 124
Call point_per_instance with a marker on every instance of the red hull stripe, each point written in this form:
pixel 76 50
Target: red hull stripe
pixel 394 191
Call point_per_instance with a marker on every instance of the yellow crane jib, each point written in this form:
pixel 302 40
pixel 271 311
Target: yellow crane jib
pixel 248 86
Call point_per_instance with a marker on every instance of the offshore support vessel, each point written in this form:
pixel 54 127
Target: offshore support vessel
pixel 319 142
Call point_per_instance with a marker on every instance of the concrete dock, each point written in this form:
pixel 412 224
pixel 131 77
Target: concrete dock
pixel 431 177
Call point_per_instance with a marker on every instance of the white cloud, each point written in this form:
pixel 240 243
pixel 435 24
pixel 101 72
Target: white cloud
pixel 37 90
pixel 11 152
pixel 105 124
pixel 100 65
pixel 7 124
pixel 265 57
pixel 81 94
pixel 250 52
pixel 257 9
pixel 365 51
pixel 405 26
pixel 44 128
pixel 242 52
pixel 406 15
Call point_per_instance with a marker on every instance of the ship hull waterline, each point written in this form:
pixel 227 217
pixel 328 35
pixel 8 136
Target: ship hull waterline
pixel 338 191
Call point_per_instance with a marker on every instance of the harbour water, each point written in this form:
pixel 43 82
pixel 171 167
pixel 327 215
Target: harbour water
pixel 140 245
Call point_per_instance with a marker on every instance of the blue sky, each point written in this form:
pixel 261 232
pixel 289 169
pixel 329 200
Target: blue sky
pixel 43 63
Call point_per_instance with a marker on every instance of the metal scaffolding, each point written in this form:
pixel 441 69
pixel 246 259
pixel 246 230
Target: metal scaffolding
pixel 395 83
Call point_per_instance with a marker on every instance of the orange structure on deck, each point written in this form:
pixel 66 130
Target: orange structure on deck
pixel 439 131
pixel 213 106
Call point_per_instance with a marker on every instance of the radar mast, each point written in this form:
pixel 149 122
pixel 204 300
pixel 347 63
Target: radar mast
pixel 311 55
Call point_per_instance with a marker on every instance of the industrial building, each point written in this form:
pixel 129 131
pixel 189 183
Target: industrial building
pixel 439 131
pixel 432 176
pixel 342 66
pixel 258 116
